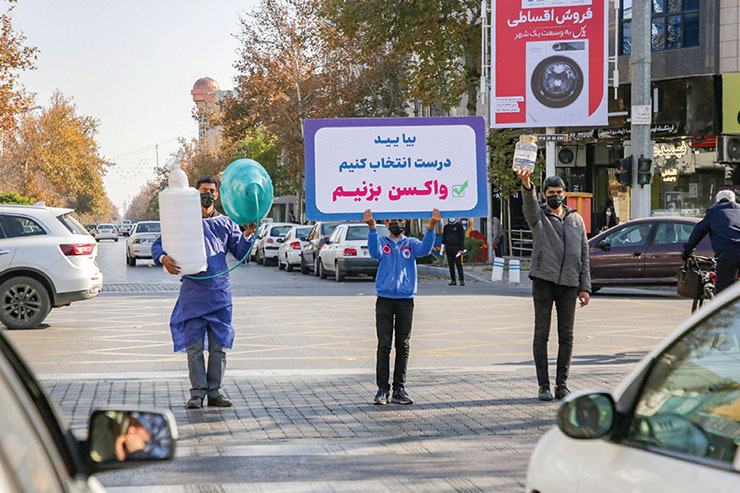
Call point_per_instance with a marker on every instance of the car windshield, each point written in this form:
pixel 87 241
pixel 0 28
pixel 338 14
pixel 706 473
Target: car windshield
pixel 280 231
pixel 72 224
pixel 328 228
pixel 148 228
pixel 360 232
pixel 105 226
pixel 302 232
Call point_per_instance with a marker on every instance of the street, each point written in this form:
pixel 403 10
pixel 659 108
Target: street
pixel 301 375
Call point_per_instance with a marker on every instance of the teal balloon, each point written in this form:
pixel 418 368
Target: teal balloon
pixel 246 191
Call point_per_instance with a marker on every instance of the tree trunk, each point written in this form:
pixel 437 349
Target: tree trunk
pixel 508 226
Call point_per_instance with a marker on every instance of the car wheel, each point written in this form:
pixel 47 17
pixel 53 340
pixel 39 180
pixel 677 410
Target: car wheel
pixel 24 303
pixel 280 265
pixel 288 266
pixel 260 258
pixel 131 261
pixel 316 267
pixel 304 268
pixel 322 271
pixel 338 274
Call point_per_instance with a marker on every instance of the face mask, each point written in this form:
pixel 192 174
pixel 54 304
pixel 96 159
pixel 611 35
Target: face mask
pixel 395 228
pixel 207 199
pixel 554 201
pixel 608 213
pixel 452 219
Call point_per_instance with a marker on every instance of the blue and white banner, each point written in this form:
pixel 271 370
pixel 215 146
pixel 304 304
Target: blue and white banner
pixel 397 167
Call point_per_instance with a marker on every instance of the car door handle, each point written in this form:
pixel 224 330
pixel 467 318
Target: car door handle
pixel 4 252
pixel 637 254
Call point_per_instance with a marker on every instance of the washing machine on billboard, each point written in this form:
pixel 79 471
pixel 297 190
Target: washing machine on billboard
pixel 557 84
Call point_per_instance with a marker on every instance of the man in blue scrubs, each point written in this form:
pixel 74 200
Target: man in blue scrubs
pixel 203 309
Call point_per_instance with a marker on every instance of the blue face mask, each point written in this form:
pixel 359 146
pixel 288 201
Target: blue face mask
pixel 452 219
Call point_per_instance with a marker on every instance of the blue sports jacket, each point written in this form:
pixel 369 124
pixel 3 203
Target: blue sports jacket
pixel 396 277
pixel 722 222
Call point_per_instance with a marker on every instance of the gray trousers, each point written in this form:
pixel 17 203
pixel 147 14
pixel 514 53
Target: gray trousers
pixel 206 382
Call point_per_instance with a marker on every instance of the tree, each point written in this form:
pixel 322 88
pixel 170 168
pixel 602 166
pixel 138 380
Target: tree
pixel 501 174
pixel 14 198
pixel 53 156
pixel 140 209
pixel 439 38
pixel 14 59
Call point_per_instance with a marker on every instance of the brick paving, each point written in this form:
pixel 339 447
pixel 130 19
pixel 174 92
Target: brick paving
pixel 313 432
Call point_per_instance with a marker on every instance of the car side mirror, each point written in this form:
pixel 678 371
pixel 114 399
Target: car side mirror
pixel 279 240
pixel 587 415
pixel 120 438
pixel 303 238
pixel 604 245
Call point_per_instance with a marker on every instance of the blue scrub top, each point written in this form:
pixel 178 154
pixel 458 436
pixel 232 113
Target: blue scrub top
pixel 205 305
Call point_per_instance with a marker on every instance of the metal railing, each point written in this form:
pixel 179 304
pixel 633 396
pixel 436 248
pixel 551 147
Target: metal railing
pixel 521 242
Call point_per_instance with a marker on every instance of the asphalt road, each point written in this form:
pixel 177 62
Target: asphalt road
pixel 292 321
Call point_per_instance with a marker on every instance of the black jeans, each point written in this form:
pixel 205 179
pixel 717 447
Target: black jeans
pixel 391 316
pixel 454 260
pixel 727 268
pixel 545 293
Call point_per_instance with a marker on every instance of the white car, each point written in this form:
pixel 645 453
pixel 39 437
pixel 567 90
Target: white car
pixel 47 260
pixel 672 425
pixel 106 231
pixel 346 252
pixel 139 244
pixel 266 250
pixel 289 253
pixel 124 229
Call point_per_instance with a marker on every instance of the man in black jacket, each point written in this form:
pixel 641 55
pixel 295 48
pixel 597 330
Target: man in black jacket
pixel 453 240
pixel 722 222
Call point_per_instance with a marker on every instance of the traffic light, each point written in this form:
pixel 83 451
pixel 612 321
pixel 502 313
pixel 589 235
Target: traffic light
pixel 624 171
pixel 644 171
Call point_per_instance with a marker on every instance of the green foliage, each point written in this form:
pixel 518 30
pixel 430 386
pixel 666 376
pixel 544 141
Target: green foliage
pixel 263 147
pixel 474 247
pixel 15 198
pixel 501 145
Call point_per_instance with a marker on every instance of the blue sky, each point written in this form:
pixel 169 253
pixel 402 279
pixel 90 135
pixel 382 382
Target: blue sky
pixel 131 64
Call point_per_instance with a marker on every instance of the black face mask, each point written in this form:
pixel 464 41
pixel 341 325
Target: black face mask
pixel 207 199
pixel 395 228
pixel 554 201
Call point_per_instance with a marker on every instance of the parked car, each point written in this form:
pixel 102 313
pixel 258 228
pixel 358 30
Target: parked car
pixel 106 231
pixel 289 253
pixel 320 233
pixel 139 244
pixel 124 229
pixel 642 252
pixel 39 452
pixel 673 424
pixel 346 252
pixel 258 238
pixel 47 260
pixel 90 228
pixel 269 242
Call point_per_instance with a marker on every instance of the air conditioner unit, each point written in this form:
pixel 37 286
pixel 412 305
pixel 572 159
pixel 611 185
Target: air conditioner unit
pixel 571 156
pixel 728 147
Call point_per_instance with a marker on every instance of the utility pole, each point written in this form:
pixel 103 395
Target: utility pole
pixel 550 153
pixel 485 104
pixel 156 150
pixel 641 113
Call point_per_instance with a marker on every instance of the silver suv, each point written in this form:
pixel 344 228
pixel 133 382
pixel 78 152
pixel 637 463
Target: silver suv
pixel 47 260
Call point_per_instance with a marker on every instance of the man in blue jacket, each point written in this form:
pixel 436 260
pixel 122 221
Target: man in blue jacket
pixel 395 283
pixel 722 222
pixel 203 308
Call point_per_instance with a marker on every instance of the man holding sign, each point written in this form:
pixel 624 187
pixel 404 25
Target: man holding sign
pixel 395 284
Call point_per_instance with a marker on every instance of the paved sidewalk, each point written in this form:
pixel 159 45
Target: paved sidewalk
pixel 471 429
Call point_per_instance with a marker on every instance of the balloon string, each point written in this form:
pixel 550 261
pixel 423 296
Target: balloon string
pixel 224 273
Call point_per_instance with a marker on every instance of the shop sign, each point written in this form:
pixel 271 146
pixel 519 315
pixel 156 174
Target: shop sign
pixel 670 150
pixel 669 175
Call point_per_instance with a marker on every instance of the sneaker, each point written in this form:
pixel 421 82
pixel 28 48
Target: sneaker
pixel 195 402
pixel 561 391
pixel 545 394
pixel 453 283
pixel 381 398
pixel 219 401
pixel 400 396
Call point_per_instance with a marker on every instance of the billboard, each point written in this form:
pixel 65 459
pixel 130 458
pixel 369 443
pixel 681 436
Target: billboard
pixel 731 103
pixel 549 63
pixel 397 167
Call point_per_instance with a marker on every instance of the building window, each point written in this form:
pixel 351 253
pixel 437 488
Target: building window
pixel 675 24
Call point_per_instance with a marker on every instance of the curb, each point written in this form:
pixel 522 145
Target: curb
pixel 432 270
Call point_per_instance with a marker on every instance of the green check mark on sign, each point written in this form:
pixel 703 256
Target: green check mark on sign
pixel 459 190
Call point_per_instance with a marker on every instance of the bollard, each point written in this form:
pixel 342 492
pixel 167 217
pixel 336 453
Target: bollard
pixel 514 271
pixel 498 269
